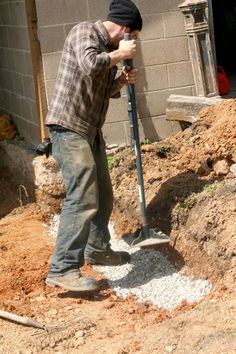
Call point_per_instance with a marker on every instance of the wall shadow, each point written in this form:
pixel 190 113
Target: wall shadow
pixel 143 110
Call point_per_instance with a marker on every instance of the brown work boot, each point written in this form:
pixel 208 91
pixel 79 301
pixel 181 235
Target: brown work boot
pixel 73 281
pixel 108 257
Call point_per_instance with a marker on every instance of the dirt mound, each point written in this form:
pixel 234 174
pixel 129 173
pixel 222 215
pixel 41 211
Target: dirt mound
pixel 190 191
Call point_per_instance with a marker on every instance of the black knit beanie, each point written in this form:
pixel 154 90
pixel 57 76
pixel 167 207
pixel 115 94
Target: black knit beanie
pixel 125 13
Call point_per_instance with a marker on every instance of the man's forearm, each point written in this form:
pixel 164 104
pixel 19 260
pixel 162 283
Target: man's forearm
pixel 115 57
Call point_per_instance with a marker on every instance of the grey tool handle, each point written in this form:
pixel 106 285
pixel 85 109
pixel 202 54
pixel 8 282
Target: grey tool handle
pixel 132 111
pixel 128 62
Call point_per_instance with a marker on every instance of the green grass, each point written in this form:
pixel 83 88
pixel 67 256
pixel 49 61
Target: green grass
pixel 112 161
pixel 145 141
pixel 187 203
pixel 212 188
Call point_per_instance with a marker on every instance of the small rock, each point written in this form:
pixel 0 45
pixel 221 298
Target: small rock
pixel 109 305
pixel 79 342
pixel 221 167
pixel 170 348
pixel 40 298
pixel 233 169
pixel 79 334
pixel 112 146
pixel 52 313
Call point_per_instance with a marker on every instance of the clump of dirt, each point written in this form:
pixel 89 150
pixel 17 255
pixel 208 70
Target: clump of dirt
pixel 190 188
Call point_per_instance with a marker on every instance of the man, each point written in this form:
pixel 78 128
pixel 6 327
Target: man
pixel 85 83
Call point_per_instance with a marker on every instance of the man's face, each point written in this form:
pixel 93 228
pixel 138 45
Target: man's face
pixel 120 36
pixel 134 34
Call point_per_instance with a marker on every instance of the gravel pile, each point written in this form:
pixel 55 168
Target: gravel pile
pixel 149 276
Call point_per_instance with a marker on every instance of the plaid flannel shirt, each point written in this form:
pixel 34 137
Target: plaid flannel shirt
pixel 85 83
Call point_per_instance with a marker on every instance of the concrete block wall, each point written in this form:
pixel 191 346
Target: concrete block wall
pixel 164 68
pixel 17 93
pixel 163 60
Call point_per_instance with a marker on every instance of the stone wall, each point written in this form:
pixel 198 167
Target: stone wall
pixel 17 92
pixel 162 59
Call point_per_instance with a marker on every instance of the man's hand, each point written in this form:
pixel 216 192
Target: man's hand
pixel 127 48
pixel 128 76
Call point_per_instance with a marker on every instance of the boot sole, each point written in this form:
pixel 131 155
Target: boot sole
pixel 54 283
pixel 90 262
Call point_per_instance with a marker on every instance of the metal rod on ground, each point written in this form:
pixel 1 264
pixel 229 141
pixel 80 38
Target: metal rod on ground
pixel 22 320
pixel 147 236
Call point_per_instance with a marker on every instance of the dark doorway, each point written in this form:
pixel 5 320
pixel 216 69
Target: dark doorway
pixel 224 20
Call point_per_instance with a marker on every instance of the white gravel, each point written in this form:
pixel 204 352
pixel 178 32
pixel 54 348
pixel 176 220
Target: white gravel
pixel 149 276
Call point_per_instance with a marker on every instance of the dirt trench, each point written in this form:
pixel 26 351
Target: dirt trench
pixel 191 195
pixel 190 190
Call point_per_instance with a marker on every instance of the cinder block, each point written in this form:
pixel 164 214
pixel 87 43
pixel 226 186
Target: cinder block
pixel 17 13
pixel 152 78
pixel 18 84
pixel 29 88
pixel 18 38
pixel 118 110
pixel 187 91
pixel 1 97
pixel 155 128
pixel 176 127
pixel 180 74
pixel 152 104
pixel 2 58
pixel 98 12
pixel 34 134
pixel 22 127
pixel 55 12
pixel 6 99
pixel 152 27
pixel 2 111
pixel 28 61
pixel 50 64
pixel 174 24
pixel 154 6
pixel 50 84
pixel 162 52
pixel 6 79
pixel 187 108
pixel 16 108
pixel 10 59
pixel 68 27
pixel 51 38
pixel 114 133
pixel 34 112
pixel 26 109
pixel 4 14
pixel 19 58
pixel 4 41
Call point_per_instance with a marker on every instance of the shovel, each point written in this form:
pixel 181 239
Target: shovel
pixel 146 236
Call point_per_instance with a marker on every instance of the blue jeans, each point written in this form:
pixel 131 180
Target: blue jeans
pixel 83 226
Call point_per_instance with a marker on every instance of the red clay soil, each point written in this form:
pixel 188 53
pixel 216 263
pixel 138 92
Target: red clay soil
pixel 191 195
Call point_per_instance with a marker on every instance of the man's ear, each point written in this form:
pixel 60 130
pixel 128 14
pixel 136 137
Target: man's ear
pixel 126 29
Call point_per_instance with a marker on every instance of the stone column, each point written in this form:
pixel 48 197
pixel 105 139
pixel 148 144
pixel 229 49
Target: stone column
pixel 197 30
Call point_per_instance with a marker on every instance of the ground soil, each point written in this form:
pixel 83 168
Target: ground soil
pixel 190 189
